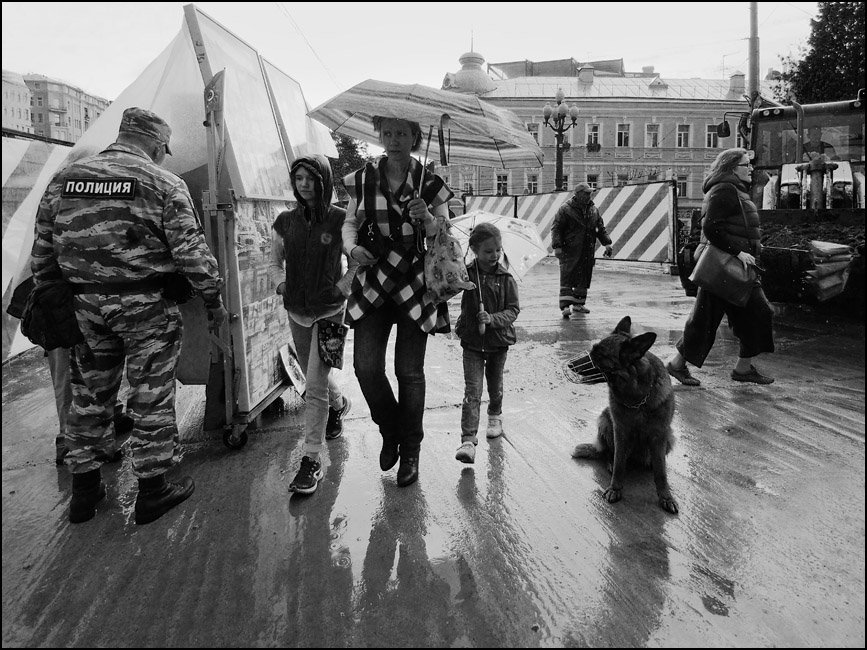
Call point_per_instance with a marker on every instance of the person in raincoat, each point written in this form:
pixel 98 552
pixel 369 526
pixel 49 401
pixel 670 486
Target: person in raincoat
pixel 391 212
pixel 577 225
pixel 306 252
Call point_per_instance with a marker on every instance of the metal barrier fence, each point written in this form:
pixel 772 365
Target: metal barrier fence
pixel 641 219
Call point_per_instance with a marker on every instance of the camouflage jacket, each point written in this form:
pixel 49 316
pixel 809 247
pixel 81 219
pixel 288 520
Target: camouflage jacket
pixel 118 217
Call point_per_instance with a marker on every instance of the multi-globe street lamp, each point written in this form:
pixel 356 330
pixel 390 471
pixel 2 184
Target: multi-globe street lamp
pixel 555 119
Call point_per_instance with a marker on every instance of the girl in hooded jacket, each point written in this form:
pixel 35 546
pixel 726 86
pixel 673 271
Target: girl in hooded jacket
pixel 306 263
pixel 486 328
pixel 730 221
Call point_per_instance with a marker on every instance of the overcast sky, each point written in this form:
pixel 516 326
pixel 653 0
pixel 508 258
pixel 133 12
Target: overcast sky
pixel 328 47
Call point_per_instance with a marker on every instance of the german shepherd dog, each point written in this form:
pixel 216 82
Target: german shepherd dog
pixel 636 425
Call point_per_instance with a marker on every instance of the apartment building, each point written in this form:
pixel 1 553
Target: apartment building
pixel 631 127
pixel 16 103
pixel 60 110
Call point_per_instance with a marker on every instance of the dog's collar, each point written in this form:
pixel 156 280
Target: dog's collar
pixel 641 403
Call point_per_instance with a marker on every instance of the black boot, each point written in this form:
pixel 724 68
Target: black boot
pixel 389 455
pixel 407 473
pixel 156 496
pixel 87 491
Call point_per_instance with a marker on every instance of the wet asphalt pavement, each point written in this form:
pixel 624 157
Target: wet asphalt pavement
pixel 517 550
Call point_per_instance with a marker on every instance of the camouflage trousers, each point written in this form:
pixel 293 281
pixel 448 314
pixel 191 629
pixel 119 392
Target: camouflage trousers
pixel 144 332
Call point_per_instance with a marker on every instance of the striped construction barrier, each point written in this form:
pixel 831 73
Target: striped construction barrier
pixel 641 219
pixel 504 205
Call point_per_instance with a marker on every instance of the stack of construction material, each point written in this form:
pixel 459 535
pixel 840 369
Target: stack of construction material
pixel 832 262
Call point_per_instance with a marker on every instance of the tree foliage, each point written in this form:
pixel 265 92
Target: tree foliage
pixel 352 154
pixel 831 67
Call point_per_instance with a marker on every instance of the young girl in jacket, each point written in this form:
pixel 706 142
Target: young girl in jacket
pixel 306 249
pixel 486 329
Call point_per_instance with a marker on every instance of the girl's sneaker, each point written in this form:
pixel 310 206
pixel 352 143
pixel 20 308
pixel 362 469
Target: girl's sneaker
pixel 466 453
pixel 307 479
pixel 495 426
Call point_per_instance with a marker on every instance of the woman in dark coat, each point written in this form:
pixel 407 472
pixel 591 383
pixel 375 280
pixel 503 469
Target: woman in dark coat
pixel 730 221
pixel 577 225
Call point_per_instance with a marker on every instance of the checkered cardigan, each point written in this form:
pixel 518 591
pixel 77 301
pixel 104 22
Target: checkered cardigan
pixel 399 274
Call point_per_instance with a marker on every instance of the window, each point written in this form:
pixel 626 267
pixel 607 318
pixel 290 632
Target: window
pixel 681 186
pixel 534 131
pixel 39 118
pixel 593 181
pixel 502 184
pixel 712 139
pixel 593 134
pixel 651 136
pixel 623 135
pixel 39 100
pixel 565 184
pixel 739 141
pixel 682 135
pixel 532 183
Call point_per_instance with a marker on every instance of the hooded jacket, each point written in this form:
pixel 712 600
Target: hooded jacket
pixel 312 245
pixel 726 206
pixel 500 295
pixel 576 228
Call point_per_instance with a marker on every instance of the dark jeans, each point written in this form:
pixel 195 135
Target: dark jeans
pixel 752 324
pixel 399 419
pixel 486 365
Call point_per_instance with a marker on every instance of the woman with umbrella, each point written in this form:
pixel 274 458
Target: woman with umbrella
pixel 393 206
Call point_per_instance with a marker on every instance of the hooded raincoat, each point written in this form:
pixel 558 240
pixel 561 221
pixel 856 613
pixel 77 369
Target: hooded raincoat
pixel 575 230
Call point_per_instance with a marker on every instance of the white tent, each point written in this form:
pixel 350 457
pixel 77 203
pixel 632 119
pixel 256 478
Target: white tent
pixel 264 128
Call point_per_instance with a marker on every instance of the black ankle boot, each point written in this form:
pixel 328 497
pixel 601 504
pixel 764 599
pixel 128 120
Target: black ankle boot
pixel 407 473
pixel 389 455
pixel 87 491
pixel 156 496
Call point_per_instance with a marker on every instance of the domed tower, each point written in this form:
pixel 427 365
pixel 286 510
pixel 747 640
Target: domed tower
pixel 470 78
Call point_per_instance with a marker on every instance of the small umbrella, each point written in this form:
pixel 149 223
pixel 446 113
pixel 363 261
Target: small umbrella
pixel 522 245
pixel 477 132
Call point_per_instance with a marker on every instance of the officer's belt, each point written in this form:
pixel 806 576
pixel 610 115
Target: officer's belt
pixel 136 286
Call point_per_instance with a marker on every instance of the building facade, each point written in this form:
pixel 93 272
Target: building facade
pixel 16 103
pixel 632 127
pixel 60 110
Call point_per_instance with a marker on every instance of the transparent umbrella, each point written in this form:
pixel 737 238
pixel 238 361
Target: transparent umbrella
pixel 522 245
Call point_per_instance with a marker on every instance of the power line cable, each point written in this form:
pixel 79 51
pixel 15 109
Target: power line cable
pixel 312 49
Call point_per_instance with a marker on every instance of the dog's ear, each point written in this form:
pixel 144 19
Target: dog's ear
pixel 624 326
pixel 635 348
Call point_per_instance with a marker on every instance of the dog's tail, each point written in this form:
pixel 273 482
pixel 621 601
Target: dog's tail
pixel 586 450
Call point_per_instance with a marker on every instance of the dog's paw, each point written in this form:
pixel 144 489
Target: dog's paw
pixel 585 451
pixel 612 495
pixel 668 504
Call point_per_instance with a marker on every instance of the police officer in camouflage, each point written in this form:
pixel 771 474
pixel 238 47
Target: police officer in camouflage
pixel 116 226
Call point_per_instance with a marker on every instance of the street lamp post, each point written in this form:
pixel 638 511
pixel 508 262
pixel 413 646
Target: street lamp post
pixel 555 119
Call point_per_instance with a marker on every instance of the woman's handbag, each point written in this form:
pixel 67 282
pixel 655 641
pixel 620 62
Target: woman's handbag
pixel 445 274
pixel 331 341
pixel 723 275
